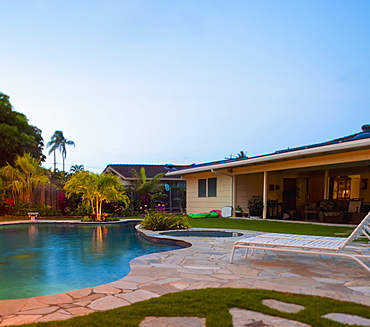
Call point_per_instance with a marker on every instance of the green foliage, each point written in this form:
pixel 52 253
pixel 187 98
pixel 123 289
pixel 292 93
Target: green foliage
pixel 255 204
pixel 146 188
pixel 24 177
pixel 214 304
pixel 87 218
pixel 83 209
pixel 21 208
pixel 46 210
pixel 16 135
pixel 96 189
pixel 159 220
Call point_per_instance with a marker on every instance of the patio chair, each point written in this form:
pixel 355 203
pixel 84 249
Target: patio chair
pixel 329 212
pixel 321 245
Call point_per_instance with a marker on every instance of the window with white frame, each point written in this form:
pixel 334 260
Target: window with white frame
pixel 207 187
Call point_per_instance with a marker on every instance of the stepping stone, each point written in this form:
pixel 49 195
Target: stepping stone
pixel 244 318
pixel 283 306
pixel 348 319
pixel 173 322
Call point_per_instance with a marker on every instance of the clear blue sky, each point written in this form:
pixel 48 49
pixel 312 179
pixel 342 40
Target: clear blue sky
pixel 186 81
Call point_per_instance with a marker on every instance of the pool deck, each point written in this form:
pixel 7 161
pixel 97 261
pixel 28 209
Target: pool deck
pixel 205 264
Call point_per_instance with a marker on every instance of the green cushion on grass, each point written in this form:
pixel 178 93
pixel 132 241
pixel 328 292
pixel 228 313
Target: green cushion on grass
pixel 200 215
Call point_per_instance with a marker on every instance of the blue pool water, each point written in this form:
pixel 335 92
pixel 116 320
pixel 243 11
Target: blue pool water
pixel 40 259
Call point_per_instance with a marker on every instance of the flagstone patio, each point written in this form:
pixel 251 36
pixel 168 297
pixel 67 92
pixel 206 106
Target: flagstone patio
pixel 204 264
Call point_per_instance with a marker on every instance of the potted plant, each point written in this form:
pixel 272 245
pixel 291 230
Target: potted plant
pixel 239 211
pixel 255 206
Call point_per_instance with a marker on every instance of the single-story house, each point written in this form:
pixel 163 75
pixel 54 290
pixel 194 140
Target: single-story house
pixel 173 185
pixel 290 182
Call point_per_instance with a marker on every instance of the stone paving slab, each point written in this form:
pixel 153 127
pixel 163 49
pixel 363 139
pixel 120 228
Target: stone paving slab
pixel 348 319
pixel 173 322
pixel 283 306
pixel 243 318
pixel 160 273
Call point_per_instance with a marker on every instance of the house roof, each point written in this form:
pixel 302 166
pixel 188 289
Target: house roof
pixel 343 144
pixel 125 170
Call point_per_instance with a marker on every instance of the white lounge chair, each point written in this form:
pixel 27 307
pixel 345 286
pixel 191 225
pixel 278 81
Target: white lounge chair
pixel 321 245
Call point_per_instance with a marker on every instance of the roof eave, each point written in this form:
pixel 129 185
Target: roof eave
pixel 309 152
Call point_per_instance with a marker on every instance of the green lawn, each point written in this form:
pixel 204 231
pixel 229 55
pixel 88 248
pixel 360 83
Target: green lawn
pixel 213 304
pixel 265 225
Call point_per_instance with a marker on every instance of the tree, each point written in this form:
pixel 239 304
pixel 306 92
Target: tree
pixel 59 142
pixel 24 177
pixel 76 168
pixel 241 154
pixel 16 135
pixel 144 187
pixel 96 189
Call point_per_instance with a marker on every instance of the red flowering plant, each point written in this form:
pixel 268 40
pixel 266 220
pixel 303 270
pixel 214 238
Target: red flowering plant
pixel 7 206
pixel 63 201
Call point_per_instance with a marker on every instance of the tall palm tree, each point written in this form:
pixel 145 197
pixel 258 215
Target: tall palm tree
pixel 59 142
pixel 25 176
pixel 63 149
pixel 54 143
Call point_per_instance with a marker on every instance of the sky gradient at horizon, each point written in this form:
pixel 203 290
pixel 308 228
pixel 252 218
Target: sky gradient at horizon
pixel 185 82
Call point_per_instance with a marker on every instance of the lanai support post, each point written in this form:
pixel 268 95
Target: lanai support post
pixel 326 184
pixel 265 189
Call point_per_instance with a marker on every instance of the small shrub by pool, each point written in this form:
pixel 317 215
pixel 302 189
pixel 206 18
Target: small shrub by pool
pixel 159 220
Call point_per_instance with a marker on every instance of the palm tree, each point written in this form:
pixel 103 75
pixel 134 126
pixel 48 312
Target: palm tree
pixel 145 187
pixel 25 176
pixel 76 168
pixel 241 154
pixel 96 189
pixel 59 142
pixel 63 148
pixel 55 142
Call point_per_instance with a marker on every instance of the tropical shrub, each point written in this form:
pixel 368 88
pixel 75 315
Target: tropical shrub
pixel 84 209
pixel 23 178
pixel 46 210
pixel 96 189
pixel 255 204
pixel 21 208
pixel 147 189
pixel 159 220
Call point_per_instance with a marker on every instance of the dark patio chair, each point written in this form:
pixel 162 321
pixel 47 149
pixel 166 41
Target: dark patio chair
pixel 329 212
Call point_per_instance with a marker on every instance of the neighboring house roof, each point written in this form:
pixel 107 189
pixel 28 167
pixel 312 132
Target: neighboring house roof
pixel 348 143
pixel 125 171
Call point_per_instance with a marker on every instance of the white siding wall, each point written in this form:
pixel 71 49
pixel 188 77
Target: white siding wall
pixel 205 204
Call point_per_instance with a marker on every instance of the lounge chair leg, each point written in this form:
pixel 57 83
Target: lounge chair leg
pixel 232 255
pixel 246 253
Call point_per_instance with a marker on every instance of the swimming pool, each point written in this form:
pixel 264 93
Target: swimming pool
pixel 41 259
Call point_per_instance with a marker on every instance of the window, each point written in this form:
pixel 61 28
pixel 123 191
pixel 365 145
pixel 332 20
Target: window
pixel 207 187
pixel 202 188
pixel 212 187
